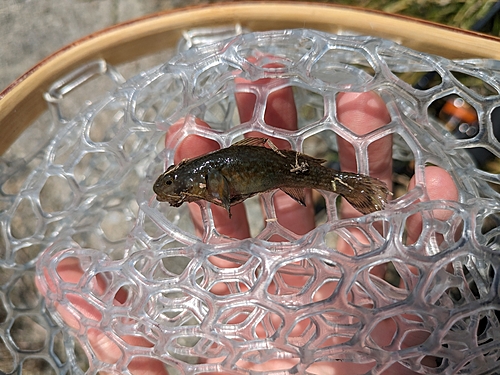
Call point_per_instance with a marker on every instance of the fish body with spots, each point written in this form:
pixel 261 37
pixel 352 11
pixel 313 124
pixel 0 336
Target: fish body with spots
pixel 230 175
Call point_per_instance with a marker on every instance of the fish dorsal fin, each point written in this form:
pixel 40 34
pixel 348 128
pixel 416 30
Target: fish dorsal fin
pixel 251 141
pixel 296 193
pixel 254 141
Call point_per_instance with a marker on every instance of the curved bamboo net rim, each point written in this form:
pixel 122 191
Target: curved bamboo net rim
pixel 22 102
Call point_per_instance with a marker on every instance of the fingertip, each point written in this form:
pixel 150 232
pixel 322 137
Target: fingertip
pixel 440 186
pixel 280 109
pixel 192 145
pixel 362 112
pixel 291 215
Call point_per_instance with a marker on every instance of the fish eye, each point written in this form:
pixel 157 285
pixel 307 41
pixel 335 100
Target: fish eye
pixel 169 182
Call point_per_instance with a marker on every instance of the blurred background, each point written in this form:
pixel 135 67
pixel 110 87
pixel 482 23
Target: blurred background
pixel 33 29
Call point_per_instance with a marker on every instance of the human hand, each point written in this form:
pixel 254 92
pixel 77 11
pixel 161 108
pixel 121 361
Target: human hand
pixel 361 113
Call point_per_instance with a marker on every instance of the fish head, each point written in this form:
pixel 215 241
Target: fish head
pixel 169 187
pixel 178 185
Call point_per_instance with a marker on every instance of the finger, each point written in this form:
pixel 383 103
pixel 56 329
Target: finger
pixel 280 110
pixel 440 186
pixel 281 113
pixel 293 216
pixel 105 349
pixel 362 113
pixel 192 146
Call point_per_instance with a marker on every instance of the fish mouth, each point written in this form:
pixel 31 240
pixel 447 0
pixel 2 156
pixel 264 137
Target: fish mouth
pixel 174 200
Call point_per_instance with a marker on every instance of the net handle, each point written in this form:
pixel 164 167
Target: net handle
pixel 22 101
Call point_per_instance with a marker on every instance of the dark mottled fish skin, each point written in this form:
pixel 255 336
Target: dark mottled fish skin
pixel 231 175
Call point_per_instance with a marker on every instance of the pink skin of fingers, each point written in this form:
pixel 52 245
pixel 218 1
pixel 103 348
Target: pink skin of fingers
pixel 440 186
pixel 359 112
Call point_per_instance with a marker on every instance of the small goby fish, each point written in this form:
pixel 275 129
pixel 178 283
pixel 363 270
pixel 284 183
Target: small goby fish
pixel 230 175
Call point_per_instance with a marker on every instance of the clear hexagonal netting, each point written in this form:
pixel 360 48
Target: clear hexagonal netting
pixel 128 281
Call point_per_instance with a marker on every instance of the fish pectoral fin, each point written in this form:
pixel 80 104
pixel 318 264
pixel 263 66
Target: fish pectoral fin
pixel 218 187
pixel 296 193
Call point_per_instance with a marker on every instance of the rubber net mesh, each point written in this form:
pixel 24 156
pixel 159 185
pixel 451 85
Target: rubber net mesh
pixel 153 285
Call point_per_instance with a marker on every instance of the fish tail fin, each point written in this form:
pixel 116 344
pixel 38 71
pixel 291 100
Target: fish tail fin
pixel 366 194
